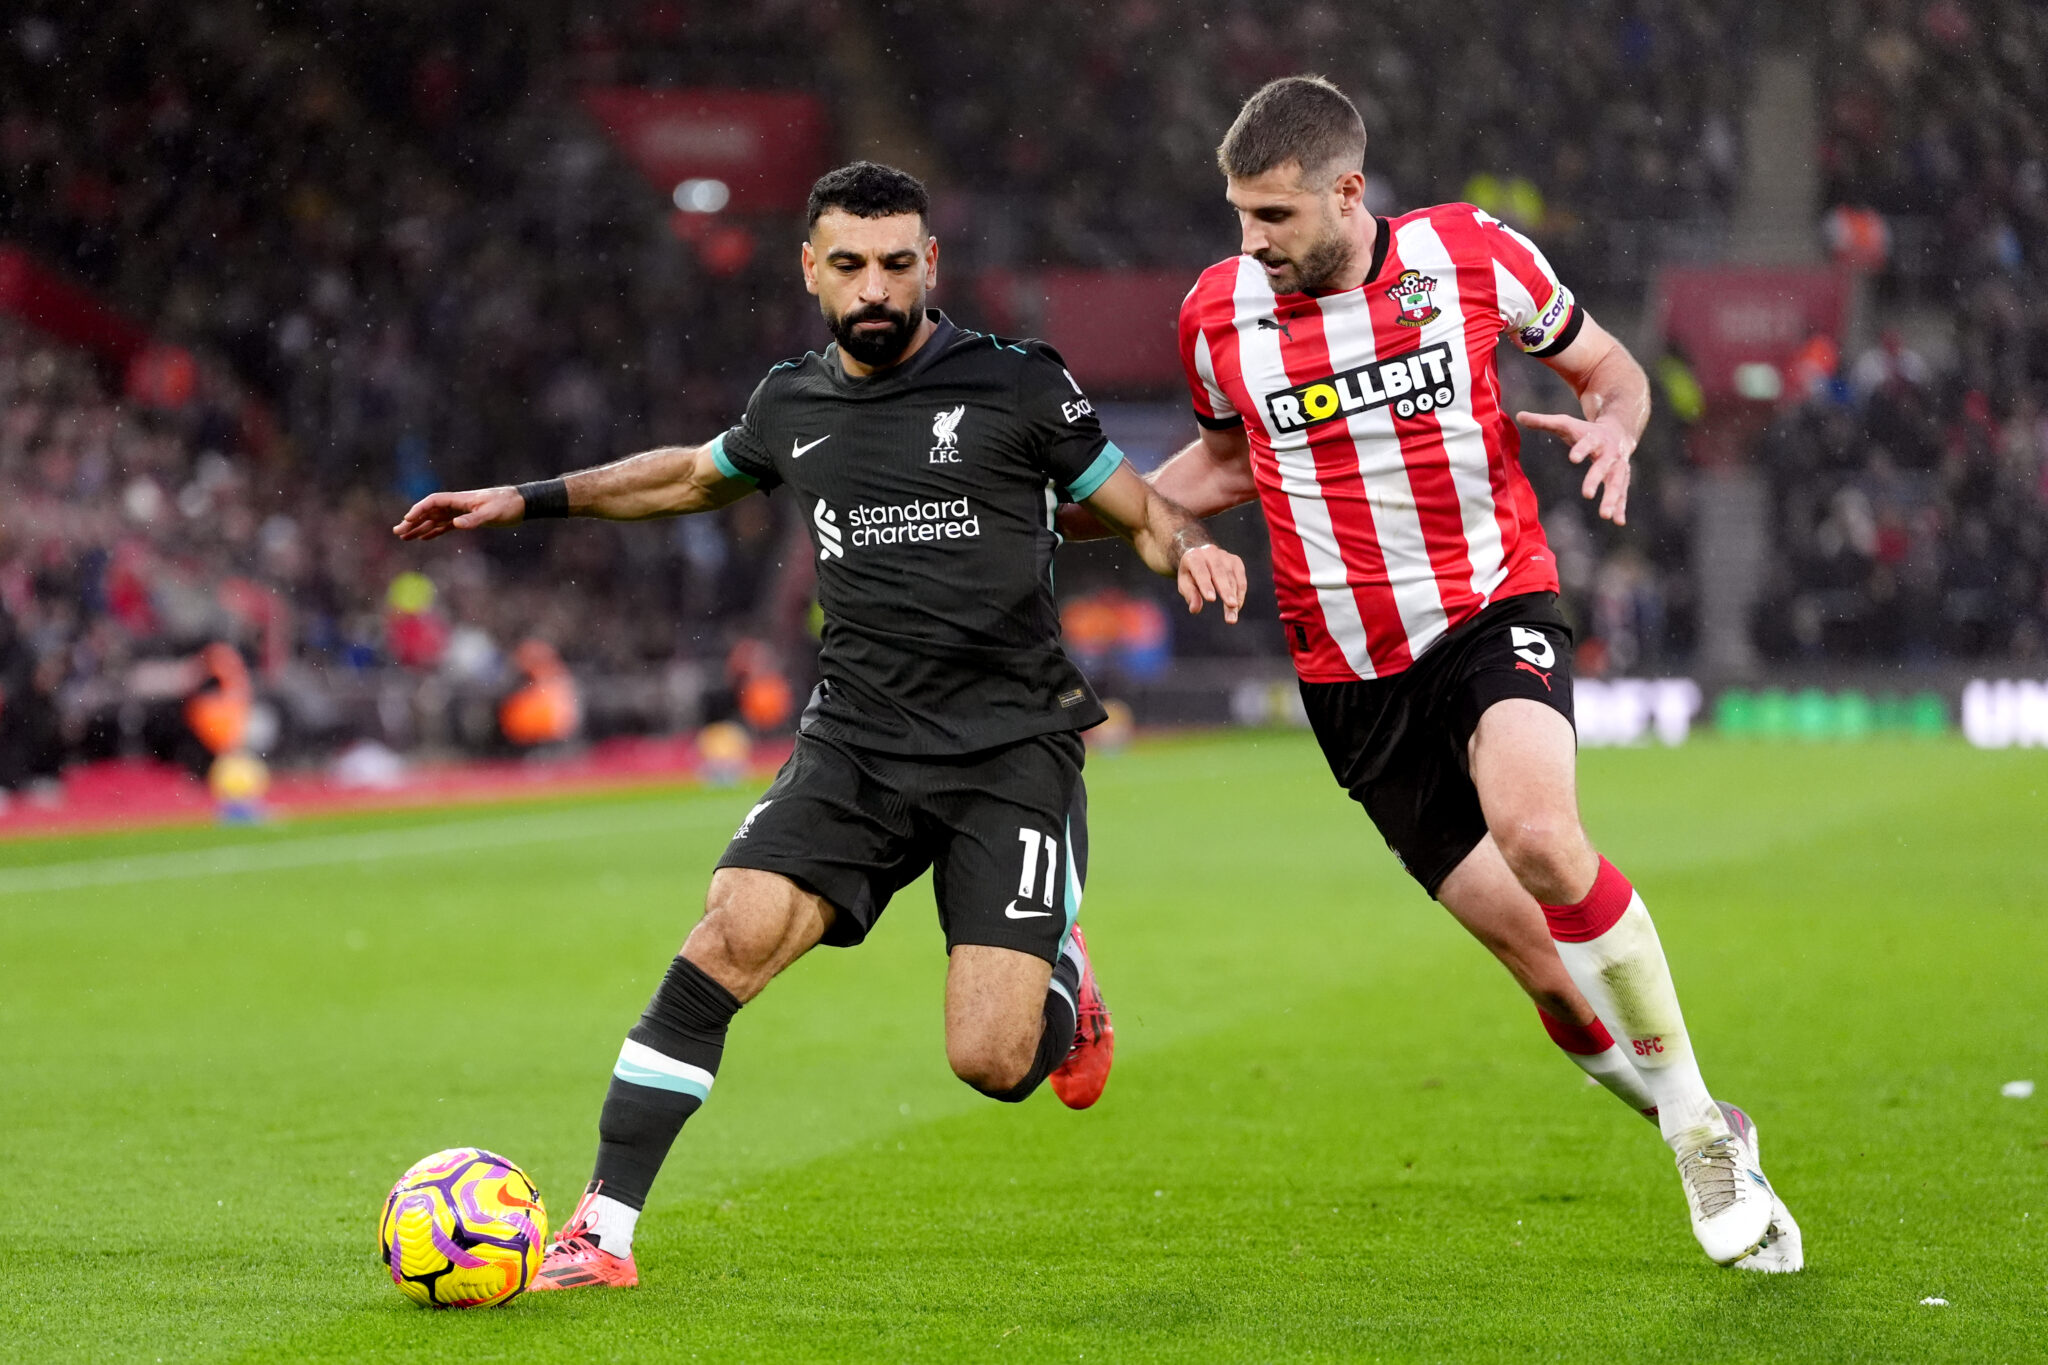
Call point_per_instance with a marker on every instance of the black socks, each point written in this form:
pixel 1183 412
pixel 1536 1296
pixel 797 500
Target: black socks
pixel 670 1059
pixel 664 1075
pixel 1061 1019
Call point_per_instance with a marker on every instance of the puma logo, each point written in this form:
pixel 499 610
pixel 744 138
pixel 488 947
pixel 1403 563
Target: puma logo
pixel 1523 663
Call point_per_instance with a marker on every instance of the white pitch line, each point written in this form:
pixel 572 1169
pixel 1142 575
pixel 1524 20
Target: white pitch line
pixel 322 850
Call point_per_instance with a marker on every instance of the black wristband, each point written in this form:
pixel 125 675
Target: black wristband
pixel 546 498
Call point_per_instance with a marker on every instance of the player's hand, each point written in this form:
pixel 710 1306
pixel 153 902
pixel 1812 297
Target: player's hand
pixel 439 513
pixel 1605 444
pixel 1210 573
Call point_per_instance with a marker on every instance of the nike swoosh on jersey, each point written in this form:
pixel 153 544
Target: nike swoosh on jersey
pixel 798 452
pixel 1012 912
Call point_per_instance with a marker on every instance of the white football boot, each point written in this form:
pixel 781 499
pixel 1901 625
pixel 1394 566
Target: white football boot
pixel 1782 1252
pixel 1727 1195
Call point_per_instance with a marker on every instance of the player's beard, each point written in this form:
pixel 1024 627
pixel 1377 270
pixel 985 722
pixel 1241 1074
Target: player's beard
pixel 1327 257
pixel 875 349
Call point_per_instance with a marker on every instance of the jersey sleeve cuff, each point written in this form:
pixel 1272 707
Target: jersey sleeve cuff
pixel 1224 423
pixel 724 461
pixel 1097 474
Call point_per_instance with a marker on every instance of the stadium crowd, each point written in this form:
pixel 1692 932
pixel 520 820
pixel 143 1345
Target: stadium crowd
pixel 1911 489
pixel 1095 143
pixel 439 288
pixel 134 535
pixel 386 236
pixel 429 264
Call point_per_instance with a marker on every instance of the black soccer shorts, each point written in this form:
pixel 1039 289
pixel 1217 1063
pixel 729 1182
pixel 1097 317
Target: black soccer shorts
pixel 1005 832
pixel 1399 745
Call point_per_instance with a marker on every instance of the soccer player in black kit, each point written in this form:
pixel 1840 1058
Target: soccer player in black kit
pixel 928 462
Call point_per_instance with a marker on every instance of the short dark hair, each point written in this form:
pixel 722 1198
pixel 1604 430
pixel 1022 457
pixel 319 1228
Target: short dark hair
pixel 868 189
pixel 1303 119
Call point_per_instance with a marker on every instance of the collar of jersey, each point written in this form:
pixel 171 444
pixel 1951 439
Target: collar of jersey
pixel 942 336
pixel 1380 246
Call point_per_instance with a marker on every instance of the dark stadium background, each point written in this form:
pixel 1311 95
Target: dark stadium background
pixel 269 271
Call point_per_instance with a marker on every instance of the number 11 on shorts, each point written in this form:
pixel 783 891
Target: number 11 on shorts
pixel 1027 881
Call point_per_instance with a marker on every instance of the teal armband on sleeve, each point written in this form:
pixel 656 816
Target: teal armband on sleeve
pixel 1096 474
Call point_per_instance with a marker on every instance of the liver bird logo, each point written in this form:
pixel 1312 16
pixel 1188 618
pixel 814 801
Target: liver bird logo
pixel 946 428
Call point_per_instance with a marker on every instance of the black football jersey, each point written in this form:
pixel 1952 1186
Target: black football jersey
pixel 929 491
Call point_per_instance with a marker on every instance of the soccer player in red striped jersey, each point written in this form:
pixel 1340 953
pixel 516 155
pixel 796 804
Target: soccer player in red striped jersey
pixel 1342 372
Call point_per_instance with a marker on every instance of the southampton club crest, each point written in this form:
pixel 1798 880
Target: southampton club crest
pixel 1411 294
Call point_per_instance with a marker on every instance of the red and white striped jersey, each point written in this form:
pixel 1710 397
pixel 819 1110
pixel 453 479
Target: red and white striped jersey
pixel 1390 477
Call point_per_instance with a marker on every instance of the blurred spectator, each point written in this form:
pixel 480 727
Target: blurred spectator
pixel 31 743
pixel 545 708
pixel 760 685
pixel 1118 633
pixel 217 712
pixel 1891 365
pixel 416 634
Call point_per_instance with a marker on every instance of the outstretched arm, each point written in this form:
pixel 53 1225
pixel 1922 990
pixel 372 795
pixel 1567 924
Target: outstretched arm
pixel 1170 540
pixel 1614 393
pixel 1207 476
pixel 657 483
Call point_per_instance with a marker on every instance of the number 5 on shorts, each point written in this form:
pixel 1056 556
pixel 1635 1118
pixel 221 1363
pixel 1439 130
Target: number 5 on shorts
pixel 1532 645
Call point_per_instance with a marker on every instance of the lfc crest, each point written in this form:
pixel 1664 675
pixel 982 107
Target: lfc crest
pixel 1411 294
pixel 946 435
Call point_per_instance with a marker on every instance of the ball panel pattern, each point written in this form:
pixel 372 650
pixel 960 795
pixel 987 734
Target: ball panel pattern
pixel 464 1228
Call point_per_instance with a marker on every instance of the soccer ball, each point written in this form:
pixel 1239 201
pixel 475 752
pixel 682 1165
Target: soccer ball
pixel 463 1228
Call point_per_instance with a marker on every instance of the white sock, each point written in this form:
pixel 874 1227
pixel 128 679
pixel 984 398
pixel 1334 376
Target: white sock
pixel 612 1224
pixel 1622 971
pixel 1614 1071
pixel 1596 1053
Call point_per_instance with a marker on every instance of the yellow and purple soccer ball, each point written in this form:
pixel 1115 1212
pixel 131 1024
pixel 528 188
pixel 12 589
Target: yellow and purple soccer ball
pixel 464 1228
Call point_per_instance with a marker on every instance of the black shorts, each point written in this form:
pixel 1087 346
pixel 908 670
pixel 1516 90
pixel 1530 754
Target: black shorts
pixel 1399 744
pixel 1005 832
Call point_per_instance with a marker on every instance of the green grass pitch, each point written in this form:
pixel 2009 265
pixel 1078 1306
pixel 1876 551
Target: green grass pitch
pixel 1335 1129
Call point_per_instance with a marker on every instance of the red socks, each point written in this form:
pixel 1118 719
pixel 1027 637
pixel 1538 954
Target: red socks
pixel 1586 920
pixel 1581 1040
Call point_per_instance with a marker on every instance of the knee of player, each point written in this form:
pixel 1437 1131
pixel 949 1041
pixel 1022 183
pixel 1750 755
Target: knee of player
pixel 993 1069
pixel 728 937
pixel 1540 846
